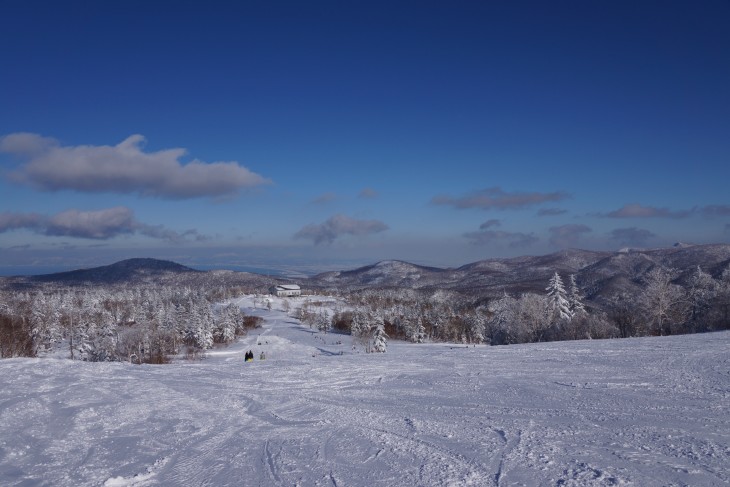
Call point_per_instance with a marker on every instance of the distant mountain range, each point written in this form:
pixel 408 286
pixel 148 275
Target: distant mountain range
pixel 119 272
pixel 599 274
pixel 141 271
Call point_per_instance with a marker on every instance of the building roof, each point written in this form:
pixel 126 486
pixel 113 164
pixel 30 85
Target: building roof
pixel 288 287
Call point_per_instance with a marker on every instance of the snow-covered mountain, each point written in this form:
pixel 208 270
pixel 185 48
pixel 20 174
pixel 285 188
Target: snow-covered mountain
pixel 599 273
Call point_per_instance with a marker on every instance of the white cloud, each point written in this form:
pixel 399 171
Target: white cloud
pixel 123 168
pixel 102 224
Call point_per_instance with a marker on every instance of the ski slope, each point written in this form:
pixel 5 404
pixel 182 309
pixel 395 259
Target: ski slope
pixel 645 412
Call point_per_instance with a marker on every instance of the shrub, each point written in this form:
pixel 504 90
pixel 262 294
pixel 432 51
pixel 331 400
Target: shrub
pixel 250 322
pixel 15 338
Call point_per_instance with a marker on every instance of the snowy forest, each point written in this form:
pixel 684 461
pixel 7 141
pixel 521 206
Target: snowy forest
pixel 150 323
pixel 663 308
pixel 139 324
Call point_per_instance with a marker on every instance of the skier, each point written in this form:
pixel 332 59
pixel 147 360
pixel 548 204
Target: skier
pixel 262 356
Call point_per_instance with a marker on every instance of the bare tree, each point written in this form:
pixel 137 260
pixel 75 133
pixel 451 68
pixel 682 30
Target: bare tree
pixel 702 292
pixel 664 303
pixel 624 314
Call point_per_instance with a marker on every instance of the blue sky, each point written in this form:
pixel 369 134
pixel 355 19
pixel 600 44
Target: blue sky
pixel 321 135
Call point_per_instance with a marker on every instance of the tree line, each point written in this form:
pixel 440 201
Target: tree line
pixel 141 323
pixel 663 307
pixel 149 323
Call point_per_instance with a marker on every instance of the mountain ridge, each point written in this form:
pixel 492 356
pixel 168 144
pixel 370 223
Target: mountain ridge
pixel 121 271
pixel 600 274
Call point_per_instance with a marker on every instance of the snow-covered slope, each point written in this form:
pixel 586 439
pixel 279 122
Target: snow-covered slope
pixel 643 412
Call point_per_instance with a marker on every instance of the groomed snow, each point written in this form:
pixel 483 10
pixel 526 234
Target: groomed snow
pixel 645 412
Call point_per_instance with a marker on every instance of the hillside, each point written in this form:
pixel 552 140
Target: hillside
pixel 130 270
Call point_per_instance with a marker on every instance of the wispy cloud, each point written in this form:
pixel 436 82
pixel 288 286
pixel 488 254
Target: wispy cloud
pixel 368 193
pixel 640 211
pixel 19 247
pixel 567 235
pixel 490 223
pixel 511 239
pixel 97 225
pixel 123 168
pixel 631 236
pixel 324 198
pixel 551 212
pixel 339 225
pixel 496 198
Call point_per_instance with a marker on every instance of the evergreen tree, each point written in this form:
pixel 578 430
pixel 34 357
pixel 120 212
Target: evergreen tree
pixel 420 330
pixel 358 325
pixel 575 298
pixel 380 338
pixel 225 331
pixel 324 323
pixel 557 298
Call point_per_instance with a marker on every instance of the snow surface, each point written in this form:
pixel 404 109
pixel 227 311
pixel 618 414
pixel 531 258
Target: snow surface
pixel 649 411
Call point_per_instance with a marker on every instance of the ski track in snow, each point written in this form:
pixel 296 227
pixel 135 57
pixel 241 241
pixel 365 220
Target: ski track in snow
pixel 645 412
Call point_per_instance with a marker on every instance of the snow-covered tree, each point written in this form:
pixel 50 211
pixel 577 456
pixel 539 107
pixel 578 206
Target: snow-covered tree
pixel 358 326
pixel 380 338
pixel 475 323
pixel 664 302
pixel 575 298
pixel 558 299
pixel 502 326
pixel 723 299
pixel 420 330
pixel 533 316
pixel 324 322
pixel 703 290
pixel 203 323
pixel 225 331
